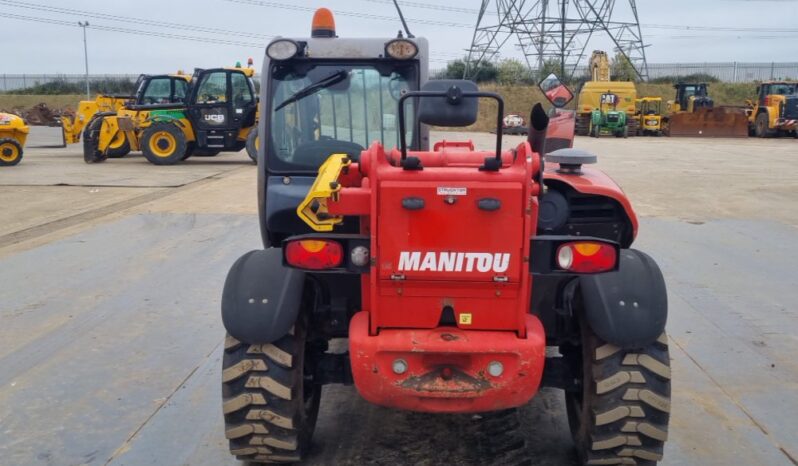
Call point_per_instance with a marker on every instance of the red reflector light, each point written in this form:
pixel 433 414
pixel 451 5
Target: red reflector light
pixel 314 254
pixel 586 257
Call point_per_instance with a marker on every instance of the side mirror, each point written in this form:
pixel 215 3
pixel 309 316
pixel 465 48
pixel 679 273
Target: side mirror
pixel 448 107
pixel 555 91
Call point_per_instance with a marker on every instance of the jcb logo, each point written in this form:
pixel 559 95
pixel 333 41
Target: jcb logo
pixel 215 118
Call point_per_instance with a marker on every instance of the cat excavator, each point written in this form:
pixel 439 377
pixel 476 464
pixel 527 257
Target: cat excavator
pixel 600 83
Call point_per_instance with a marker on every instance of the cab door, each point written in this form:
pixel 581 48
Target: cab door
pixel 223 102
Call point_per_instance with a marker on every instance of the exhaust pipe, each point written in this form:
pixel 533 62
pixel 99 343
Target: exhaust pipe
pixel 536 134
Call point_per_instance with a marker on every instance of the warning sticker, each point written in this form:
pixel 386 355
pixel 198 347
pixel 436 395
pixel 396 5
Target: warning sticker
pixel 451 191
pixel 465 319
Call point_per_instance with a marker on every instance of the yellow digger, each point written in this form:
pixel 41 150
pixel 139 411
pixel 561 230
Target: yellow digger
pixel 648 112
pixel 591 92
pixel 13 133
pixel 219 114
pixel 150 89
pixel 693 113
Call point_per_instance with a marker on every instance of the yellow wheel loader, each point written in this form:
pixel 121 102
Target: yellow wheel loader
pixel 219 114
pixel 649 116
pixel 693 113
pixel 150 90
pixel 13 133
pixel 775 111
pixel 591 91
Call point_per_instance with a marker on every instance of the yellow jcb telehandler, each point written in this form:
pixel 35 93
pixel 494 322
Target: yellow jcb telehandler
pixel 150 90
pixel 219 114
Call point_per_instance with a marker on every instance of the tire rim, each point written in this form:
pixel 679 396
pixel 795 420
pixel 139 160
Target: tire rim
pixel 162 144
pixel 118 141
pixel 8 152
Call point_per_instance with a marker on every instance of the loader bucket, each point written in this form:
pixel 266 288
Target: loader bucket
pixel 718 122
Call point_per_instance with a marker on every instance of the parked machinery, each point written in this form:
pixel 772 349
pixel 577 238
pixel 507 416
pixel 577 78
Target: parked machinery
pixel 775 111
pixel 464 280
pixel 649 116
pixel 606 119
pixel 13 133
pixel 150 90
pixel 693 113
pixel 218 114
pixel 600 83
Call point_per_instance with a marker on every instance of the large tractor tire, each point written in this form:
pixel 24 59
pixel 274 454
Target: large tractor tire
pixel 10 152
pixel 762 126
pixel 620 415
pixel 164 144
pixel 270 402
pixel 91 142
pixel 119 147
pixel 594 130
pixel 582 125
pixel 252 144
pixel 633 124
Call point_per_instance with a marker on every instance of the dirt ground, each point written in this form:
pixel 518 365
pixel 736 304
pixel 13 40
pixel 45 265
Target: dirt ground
pixel 110 332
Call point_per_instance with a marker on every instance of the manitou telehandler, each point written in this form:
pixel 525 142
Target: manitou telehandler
pixel 464 280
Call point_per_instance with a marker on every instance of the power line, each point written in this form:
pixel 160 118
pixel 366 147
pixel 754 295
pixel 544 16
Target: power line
pixel 132 31
pixel 163 35
pixel 129 20
pixel 393 19
pixel 720 28
pixel 431 6
pixel 147 22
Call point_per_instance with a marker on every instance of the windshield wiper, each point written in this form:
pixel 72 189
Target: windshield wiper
pixel 334 78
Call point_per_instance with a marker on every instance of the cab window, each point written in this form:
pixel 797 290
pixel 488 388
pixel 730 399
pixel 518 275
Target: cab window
pixel 158 91
pixel 181 89
pixel 212 88
pixel 242 93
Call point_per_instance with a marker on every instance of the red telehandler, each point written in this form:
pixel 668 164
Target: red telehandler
pixel 464 280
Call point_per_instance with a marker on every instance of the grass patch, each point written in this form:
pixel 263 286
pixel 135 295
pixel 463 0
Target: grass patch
pixel 60 102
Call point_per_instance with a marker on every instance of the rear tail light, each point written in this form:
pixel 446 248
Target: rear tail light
pixel 314 254
pixel 586 257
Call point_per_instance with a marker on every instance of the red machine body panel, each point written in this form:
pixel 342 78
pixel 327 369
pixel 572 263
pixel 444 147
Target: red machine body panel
pixel 447 367
pixel 592 181
pixel 449 239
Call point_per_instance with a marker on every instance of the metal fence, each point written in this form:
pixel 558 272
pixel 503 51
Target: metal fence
pixel 13 82
pixel 733 72
pixel 727 72
pixel 18 82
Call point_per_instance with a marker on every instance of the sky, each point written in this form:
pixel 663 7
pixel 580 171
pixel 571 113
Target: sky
pixel 156 36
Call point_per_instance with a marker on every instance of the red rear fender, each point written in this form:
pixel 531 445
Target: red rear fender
pixel 594 181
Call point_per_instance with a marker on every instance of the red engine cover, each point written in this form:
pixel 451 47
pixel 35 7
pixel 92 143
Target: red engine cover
pixel 451 236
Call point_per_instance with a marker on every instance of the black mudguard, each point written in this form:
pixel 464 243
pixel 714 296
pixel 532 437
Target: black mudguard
pixel 628 307
pixel 261 297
